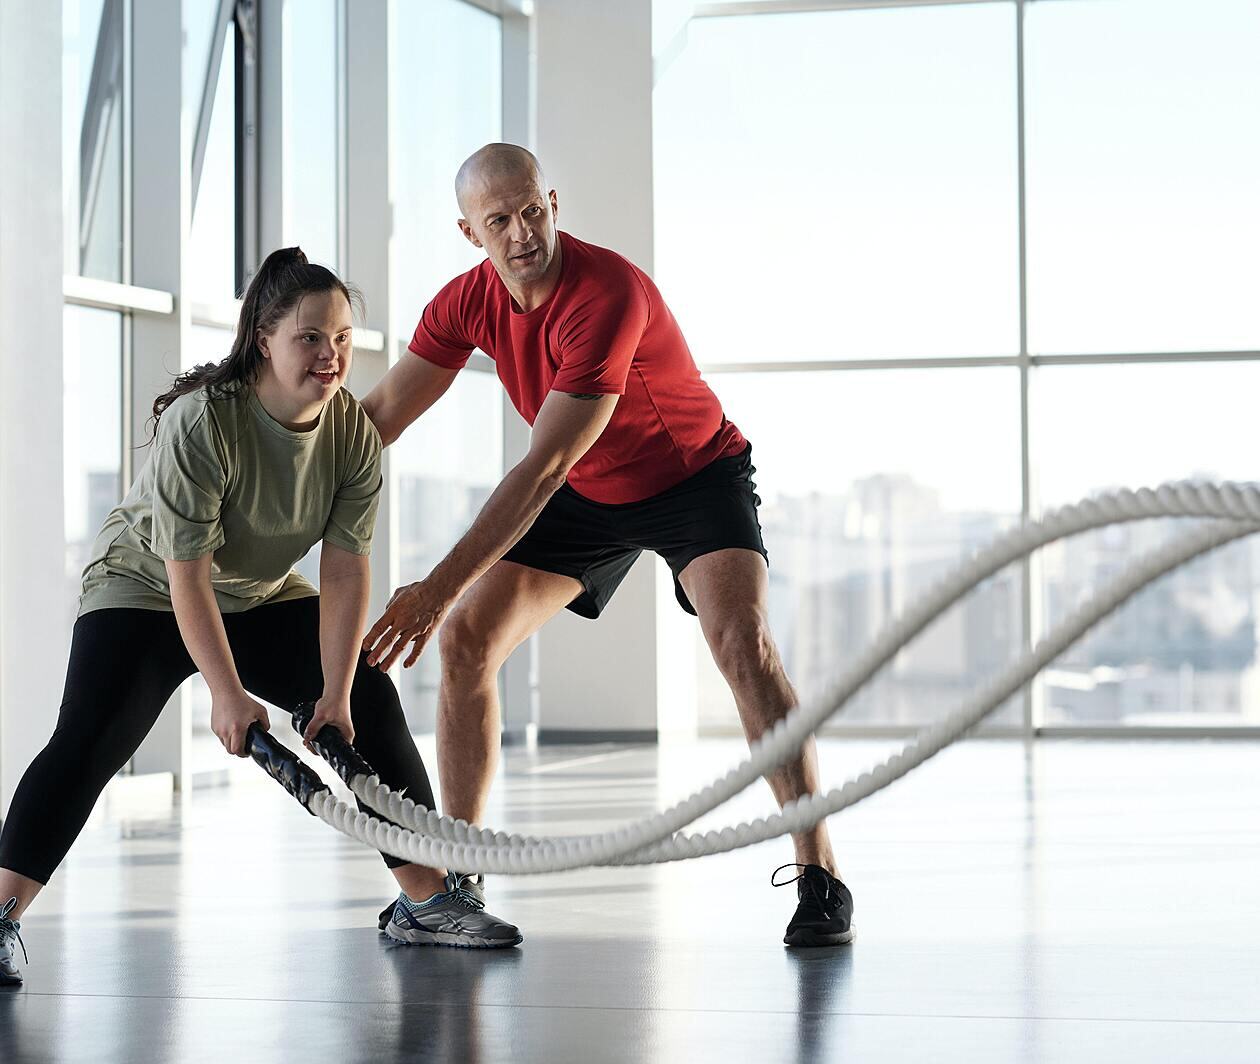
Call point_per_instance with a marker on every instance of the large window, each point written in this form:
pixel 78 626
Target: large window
pixel 446 103
pixel 1184 651
pixel 845 185
pixel 1143 165
pixel 312 149
pixel 92 364
pixel 841 185
pixel 445 97
pixel 859 518
pixel 93 110
pixel 211 263
pixel 94 101
pixel 445 466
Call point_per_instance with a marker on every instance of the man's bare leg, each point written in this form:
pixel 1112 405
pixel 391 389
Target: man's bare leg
pixel 497 614
pixel 729 589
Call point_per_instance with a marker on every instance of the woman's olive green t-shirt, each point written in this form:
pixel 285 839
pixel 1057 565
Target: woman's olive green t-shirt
pixel 223 476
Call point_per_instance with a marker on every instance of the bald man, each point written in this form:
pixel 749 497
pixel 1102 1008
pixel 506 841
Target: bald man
pixel 630 451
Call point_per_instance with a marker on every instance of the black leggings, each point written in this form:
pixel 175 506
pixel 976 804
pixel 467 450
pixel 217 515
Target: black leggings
pixel 124 666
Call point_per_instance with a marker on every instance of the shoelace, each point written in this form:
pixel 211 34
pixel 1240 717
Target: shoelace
pixel 10 927
pixel 468 898
pixel 810 885
pixel 465 895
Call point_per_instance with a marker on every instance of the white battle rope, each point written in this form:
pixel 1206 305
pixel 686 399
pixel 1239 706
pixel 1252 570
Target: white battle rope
pixel 431 839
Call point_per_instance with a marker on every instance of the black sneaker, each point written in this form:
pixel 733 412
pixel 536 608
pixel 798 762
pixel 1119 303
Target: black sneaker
pixel 824 912
pixel 472 882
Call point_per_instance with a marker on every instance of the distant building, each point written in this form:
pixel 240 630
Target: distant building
pixel 845 565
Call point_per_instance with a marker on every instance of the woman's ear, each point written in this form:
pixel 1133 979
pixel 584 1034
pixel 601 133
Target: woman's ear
pixel 261 340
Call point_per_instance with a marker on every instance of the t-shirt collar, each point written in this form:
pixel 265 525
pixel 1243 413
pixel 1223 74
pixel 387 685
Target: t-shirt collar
pixel 270 423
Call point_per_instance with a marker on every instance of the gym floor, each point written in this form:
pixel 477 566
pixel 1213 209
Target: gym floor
pixel 1063 901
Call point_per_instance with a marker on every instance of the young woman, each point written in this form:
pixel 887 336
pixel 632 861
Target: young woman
pixel 254 460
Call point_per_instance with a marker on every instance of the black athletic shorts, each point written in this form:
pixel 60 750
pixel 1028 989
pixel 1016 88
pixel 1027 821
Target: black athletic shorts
pixel 597 543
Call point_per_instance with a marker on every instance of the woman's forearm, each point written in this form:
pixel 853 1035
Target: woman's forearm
pixel 201 624
pixel 343 606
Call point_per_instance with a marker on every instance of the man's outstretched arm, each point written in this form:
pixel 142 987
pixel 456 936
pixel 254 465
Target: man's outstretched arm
pixel 565 429
pixel 412 386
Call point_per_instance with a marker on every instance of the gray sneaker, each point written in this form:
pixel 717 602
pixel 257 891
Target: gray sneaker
pixel 9 937
pixel 456 917
pixel 473 882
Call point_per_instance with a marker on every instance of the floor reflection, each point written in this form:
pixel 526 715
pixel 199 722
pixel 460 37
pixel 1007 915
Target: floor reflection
pixel 823 983
pixel 438 994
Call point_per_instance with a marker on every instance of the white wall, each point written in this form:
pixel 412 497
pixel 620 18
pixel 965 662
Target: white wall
pixel 34 635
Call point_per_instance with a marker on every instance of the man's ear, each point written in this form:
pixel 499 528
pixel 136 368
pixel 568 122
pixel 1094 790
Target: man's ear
pixel 555 205
pixel 469 235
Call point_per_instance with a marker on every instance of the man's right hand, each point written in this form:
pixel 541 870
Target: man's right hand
pixel 230 717
pixel 410 619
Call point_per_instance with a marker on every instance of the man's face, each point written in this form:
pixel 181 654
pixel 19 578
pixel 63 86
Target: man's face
pixel 515 221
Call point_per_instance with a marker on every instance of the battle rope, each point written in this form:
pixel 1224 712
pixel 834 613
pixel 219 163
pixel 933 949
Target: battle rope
pixel 428 838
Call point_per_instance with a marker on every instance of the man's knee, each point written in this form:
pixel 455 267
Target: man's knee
pixel 744 647
pixel 468 647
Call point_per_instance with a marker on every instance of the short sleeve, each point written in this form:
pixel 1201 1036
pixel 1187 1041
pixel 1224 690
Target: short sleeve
pixel 189 482
pixel 600 336
pixel 442 335
pixel 353 516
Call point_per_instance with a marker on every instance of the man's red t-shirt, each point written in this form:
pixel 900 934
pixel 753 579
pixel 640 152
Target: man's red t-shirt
pixel 604 330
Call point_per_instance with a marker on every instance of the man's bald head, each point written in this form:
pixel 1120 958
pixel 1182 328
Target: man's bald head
pixel 508 210
pixel 493 166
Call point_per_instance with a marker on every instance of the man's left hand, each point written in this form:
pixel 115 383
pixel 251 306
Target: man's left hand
pixel 412 616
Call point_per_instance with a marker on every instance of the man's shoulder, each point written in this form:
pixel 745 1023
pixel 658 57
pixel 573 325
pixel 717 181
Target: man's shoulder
pixel 594 257
pixel 468 293
pixel 600 269
pixel 478 279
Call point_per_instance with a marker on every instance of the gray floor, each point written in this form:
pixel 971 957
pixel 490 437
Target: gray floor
pixel 1070 901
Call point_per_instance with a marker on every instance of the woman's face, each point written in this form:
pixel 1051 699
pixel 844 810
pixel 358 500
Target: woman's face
pixel 308 354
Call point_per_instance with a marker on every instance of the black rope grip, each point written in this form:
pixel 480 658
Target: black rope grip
pixel 331 745
pixel 284 766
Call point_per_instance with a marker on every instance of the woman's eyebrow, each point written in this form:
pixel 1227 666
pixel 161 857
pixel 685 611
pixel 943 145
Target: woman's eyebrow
pixel 317 329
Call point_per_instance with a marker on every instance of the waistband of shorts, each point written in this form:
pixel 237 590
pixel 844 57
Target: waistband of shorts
pixel 687 481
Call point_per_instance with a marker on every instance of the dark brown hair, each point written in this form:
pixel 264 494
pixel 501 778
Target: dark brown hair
pixel 281 281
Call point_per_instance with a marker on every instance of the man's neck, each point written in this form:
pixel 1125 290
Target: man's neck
pixel 531 297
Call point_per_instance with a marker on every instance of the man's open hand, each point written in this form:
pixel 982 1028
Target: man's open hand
pixel 412 616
